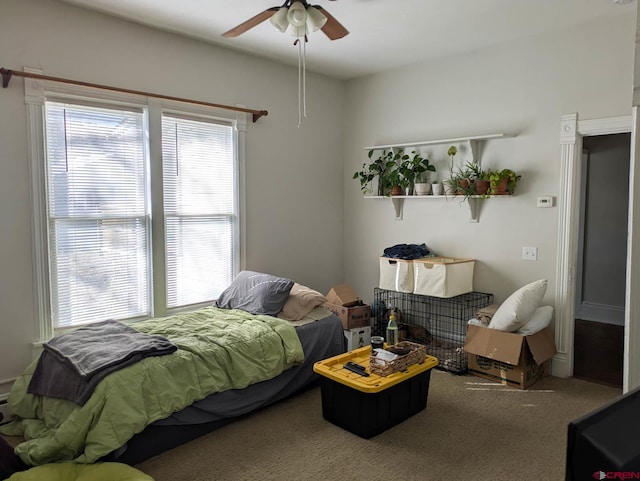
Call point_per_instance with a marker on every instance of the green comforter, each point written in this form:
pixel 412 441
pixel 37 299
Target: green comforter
pixel 218 349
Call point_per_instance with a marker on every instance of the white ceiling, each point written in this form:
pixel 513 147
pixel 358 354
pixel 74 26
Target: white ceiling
pixel 384 34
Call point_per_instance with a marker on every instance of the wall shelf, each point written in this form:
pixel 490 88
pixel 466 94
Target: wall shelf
pixel 440 141
pixel 473 201
pixel 474 142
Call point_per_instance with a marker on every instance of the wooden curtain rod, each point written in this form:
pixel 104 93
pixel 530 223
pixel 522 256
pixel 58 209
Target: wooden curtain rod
pixel 7 74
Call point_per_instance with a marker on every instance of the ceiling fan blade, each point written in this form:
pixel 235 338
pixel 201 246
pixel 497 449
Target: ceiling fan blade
pixel 252 22
pixel 332 29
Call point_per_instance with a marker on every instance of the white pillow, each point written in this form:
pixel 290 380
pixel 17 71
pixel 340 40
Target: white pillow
pixel 540 319
pixel 519 307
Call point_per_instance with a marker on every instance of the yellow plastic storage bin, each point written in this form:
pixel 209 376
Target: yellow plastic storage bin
pixel 369 405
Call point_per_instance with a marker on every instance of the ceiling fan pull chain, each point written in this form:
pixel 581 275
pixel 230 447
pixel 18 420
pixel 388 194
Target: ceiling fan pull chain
pixel 297 42
pixel 304 76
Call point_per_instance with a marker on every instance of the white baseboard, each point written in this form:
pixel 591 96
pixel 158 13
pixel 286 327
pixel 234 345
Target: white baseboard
pixel 560 366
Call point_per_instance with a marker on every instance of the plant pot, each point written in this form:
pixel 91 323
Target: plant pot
pixel 436 188
pixel 463 186
pixel 449 189
pixel 502 187
pixel 422 188
pixel 482 187
pixel 397 190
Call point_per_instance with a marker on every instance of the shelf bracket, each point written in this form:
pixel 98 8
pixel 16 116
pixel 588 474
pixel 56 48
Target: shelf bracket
pixel 474 210
pixel 398 204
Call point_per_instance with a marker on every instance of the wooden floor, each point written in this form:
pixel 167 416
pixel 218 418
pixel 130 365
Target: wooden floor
pixel 598 352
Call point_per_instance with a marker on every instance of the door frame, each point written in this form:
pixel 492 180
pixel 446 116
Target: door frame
pixel 591 311
pixel 572 130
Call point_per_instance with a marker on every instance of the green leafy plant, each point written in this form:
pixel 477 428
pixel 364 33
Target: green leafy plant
pixel 399 175
pixel 509 175
pixel 475 171
pixel 462 181
pixel 422 167
pixel 416 168
pixel 378 168
pixel 395 178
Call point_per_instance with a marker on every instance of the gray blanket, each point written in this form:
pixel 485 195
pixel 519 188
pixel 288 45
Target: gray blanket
pixel 72 364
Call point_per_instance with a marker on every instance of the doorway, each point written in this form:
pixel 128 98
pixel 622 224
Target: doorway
pixel 602 254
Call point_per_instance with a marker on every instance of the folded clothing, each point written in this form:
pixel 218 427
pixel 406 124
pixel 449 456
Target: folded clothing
pixel 406 251
pixel 72 364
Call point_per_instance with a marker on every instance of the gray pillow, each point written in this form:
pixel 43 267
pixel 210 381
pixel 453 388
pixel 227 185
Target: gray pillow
pixel 256 293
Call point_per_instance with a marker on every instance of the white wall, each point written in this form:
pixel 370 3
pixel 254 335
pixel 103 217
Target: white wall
pixel 294 176
pixel 522 88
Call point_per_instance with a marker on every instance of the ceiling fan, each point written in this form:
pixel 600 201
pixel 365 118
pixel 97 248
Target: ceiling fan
pixel 300 19
pixel 298 16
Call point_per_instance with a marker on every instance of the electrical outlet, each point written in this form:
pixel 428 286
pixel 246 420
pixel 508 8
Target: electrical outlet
pixel 530 253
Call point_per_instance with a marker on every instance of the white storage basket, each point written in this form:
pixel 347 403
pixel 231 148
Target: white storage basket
pixel 442 276
pixel 396 274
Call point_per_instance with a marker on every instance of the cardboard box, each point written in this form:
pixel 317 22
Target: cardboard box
pixel 351 317
pixel 358 337
pixel 509 358
pixel 343 295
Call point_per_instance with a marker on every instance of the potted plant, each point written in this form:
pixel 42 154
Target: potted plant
pixel 464 180
pixel 436 187
pixel 422 185
pixel 503 182
pixel 451 182
pixel 480 178
pixel 417 169
pixel 377 169
pixel 396 180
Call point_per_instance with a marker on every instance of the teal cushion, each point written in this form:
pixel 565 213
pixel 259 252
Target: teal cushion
pixel 81 472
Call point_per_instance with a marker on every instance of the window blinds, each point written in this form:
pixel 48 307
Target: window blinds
pixel 98 213
pixel 199 189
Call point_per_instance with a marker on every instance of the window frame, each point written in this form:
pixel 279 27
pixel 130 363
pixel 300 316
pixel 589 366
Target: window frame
pixel 37 92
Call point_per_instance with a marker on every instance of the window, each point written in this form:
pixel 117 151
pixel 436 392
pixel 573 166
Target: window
pixel 100 204
pixel 198 173
pixel 98 214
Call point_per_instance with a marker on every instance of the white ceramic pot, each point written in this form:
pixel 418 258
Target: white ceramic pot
pixel 449 189
pixel 422 188
pixel 437 188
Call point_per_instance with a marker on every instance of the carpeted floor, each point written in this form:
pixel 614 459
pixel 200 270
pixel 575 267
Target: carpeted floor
pixel 470 430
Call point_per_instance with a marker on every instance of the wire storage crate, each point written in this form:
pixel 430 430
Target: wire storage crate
pixel 438 323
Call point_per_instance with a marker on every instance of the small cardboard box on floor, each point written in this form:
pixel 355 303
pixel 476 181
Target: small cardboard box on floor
pixel 344 303
pixel 358 337
pixel 510 358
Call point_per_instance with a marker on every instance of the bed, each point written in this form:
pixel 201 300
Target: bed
pixel 160 402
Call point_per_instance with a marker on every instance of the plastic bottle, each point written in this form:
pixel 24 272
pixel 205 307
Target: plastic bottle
pixel 392 331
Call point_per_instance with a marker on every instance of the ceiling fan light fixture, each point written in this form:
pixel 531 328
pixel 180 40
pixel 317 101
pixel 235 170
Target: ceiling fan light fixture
pixel 315 19
pixel 297 15
pixel 280 19
pixel 298 32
